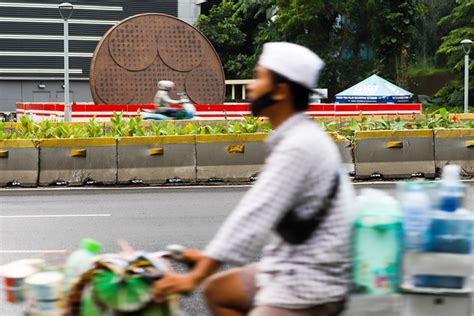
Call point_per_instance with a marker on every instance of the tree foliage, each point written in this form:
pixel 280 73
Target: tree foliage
pixel 392 29
pixel 429 34
pixel 222 28
pixel 355 38
pixel 461 23
pixel 231 27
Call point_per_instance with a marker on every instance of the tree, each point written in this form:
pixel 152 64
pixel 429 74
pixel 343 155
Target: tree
pixel 392 32
pixel 429 33
pixel 222 28
pixel 461 23
pixel 232 27
pixel 355 38
pixel 317 25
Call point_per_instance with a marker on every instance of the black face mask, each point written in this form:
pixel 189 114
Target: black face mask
pixel 262 103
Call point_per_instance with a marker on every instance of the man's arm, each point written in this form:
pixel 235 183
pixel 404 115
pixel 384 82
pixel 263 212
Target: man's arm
pixel 161 98
pixel 168 99
pixel 183 283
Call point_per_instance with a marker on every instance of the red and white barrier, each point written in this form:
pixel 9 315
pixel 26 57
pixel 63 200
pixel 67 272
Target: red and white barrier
pixel 82 112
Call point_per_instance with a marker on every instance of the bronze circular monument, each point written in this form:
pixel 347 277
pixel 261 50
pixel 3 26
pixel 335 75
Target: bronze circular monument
pixel 140 51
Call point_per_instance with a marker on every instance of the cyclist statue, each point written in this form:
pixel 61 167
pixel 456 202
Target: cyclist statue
pixel 163 99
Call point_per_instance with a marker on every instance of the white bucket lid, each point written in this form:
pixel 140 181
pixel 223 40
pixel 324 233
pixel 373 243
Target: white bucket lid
pixel 17 271
pixel 45 278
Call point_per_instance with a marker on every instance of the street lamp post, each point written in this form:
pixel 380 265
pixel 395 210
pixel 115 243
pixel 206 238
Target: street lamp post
pixel 466 46
pixel 66 9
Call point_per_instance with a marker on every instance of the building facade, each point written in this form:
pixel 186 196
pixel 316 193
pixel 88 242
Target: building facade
pixel 32 51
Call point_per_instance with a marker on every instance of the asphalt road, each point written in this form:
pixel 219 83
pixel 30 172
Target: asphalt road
pixel 51 222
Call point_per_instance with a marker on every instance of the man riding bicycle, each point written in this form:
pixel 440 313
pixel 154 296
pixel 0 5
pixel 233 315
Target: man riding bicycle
pixel 302 271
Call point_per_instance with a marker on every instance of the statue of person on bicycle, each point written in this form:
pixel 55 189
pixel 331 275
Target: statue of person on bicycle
pixel 163 101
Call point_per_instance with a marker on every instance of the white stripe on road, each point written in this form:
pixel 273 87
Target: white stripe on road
pixel 55 215
pixel 33 251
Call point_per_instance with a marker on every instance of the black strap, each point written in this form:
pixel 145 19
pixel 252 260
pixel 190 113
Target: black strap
pixel 327 201
pixel 296 230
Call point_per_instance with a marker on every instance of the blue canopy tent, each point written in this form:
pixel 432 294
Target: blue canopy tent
pixel 374 90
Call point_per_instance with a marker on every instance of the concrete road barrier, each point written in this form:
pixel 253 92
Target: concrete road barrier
pixel 345 149
pixel 155 160
pixel 78 161
pixel 238 157
pixel 394 154
pixel 455 146
pixel 229 157
pixel 19 162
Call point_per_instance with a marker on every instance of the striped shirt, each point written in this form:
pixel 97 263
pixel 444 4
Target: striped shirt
pixel 298 174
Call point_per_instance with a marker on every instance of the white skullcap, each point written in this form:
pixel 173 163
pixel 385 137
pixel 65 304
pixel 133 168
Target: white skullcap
pixel 292 61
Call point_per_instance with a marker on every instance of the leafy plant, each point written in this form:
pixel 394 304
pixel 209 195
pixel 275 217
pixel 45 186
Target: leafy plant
pixel 329 127
pixel 119 126
pixel 387 124
pixel 26 128
pixel 135 127
pixel 439 118
pixel 65 130
pixel 6 135
pixel 157 129
pixel 46 129
pixel 94 129
pixel 249 124
pixel 191 129
pixel 166 128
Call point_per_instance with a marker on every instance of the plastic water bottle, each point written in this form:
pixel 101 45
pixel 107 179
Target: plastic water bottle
pixel 81 260
pixel 452 190
pixel 415 204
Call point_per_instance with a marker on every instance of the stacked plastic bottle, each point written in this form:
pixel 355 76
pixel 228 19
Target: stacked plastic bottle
pixel 452 190
pixel 416 208
pixel 437 224
pixel 81 260
pixel 451 228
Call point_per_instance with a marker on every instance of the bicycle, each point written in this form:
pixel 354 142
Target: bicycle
pixel 121 286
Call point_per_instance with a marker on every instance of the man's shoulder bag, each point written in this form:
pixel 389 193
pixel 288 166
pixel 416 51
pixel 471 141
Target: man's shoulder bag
pixel 296 230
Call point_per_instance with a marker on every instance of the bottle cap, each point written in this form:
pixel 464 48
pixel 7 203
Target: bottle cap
pixel 451 173
pixel 91 245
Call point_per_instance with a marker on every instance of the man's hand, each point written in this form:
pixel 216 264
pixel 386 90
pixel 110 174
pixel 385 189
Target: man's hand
pixel 192 255
pixel 173 284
